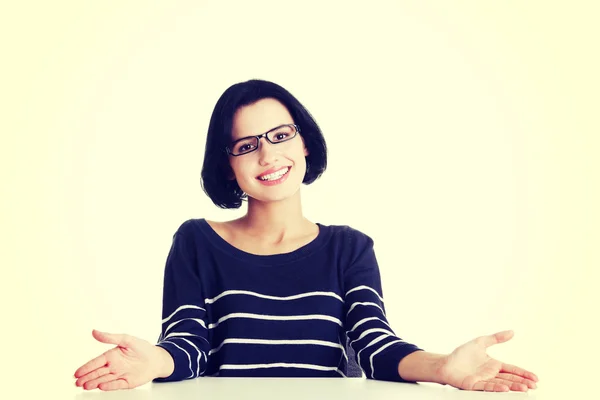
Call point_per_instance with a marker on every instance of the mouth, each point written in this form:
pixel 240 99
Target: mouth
pixel 275 176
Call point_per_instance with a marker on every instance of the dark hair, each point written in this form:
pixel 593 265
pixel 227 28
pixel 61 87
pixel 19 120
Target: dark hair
pixel 226 193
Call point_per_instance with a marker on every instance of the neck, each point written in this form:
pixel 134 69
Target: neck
pixel 275 221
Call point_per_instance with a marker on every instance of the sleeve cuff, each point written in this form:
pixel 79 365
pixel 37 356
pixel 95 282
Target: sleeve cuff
pixel 180 362
pixel 386 365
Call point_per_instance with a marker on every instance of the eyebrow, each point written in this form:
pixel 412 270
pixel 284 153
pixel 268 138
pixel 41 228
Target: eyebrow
pixel 249 136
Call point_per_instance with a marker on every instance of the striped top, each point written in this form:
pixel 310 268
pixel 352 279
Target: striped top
pixel 230 313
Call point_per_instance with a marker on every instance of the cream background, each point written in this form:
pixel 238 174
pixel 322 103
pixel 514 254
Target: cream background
pixel 463 139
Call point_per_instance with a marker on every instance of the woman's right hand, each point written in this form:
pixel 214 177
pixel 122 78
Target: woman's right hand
pixel 133 362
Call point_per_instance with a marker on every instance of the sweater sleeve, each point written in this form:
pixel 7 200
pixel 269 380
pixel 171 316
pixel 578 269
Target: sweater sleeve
pixel 184 330
pixel 377 349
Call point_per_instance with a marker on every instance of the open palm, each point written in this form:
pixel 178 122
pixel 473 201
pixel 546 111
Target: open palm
pixel 469 367
pixel 133 362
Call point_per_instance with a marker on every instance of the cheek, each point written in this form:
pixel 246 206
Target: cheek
pixel 239 169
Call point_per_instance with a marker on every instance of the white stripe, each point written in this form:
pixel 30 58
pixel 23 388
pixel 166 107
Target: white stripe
pixel 274 342
pixel 180 334
pixel 364 287
pixel 186 353
pixel 364 304
pixel 368 331
pixel 186 306
pixel 378 351
pixel 264 296
pixel 200 353
pixel 376 340
pixel 276 365
pixel 368 319
pixel 276 318
pixel 201 322
pixel 343 350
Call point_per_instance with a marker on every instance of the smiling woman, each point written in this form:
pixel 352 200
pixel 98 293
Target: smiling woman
pixel 273 294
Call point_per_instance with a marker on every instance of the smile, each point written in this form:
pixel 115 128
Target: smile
pixel 275 177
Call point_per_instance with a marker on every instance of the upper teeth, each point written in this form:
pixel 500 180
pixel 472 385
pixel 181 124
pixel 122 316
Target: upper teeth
pixel 274 175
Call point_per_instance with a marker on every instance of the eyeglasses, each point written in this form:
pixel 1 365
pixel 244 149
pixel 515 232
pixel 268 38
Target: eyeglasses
pixel 249 144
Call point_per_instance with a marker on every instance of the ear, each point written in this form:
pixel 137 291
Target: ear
pixel 230 175
pixel 306 152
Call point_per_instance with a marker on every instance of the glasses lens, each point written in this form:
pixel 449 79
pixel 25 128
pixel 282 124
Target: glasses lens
pixel 282 133
pixel 244 146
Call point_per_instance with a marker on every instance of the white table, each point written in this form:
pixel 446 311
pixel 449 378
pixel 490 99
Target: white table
pixel 291 389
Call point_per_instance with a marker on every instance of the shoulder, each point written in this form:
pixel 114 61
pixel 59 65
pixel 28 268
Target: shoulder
pixel 188 227
pixel 190 237
pixel 352 240
pixel 349 232
pixel 192 231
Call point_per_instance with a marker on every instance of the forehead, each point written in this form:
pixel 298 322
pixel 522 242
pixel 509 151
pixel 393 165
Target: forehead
pixel 259 117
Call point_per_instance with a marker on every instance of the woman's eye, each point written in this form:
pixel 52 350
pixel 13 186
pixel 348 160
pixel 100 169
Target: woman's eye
pixel 281 136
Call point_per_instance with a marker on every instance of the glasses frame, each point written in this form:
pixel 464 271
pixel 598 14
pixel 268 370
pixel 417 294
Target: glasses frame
pixel 229 148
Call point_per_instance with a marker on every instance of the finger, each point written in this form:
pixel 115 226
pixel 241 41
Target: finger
pixel 114 385
pixel 515 386
pixel 496 338
pixel 110 338
pixel 515 378
pixel 92 375
pixel 512 369
pixel 488 386
pixel 91 365
pixel 93 384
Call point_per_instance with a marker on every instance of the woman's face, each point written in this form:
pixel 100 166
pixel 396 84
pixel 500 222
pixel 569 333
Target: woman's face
pixel 255 119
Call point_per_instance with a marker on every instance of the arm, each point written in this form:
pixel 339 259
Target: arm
pixel 166 363
pixel 378 350
pixel 422 366
pixel 183 340
pixel 468 367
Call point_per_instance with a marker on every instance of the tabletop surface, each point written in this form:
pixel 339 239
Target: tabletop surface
pixel 291 389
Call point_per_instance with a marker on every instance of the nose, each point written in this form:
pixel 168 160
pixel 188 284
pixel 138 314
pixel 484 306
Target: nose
pixel 267 152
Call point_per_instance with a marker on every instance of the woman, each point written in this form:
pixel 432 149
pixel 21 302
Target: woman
pixel 272 293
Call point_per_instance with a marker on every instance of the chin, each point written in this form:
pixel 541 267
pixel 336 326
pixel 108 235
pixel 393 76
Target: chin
pixel 262 196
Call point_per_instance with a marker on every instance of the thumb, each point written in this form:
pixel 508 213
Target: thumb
pixel 499 337
pixel 110 338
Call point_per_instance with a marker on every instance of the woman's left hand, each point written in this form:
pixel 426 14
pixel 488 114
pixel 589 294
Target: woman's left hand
pixel 470 368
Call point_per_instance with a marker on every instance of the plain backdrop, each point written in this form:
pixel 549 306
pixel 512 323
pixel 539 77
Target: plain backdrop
pixel 463 138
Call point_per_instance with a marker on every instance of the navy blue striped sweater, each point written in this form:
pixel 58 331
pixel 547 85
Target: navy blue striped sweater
pixel 230 313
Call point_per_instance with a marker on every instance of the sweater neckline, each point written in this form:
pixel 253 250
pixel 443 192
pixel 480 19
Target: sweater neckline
pixel 270 259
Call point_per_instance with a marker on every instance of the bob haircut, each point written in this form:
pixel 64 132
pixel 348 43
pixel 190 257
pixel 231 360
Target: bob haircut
pixel 226 193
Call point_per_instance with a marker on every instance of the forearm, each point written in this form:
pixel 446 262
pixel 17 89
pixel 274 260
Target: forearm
pixel 421 366
pixel 165 364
